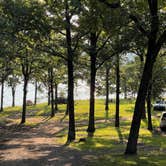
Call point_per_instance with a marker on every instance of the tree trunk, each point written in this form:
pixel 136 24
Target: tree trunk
pixel 67 108
pixel 125 89
pixel 56 97
pixel 141 70
pixel 140 101
pixel 144 111
pixel 52 93
pixel 149 107
pixel 13 96
pixel 24 99
pixel 35 98
pixel 91 125
pixel 117 92
pixel 154 47
pixel 71 133
pixel 49 87
pixel 107 89
pixel 2 93
pixel 49 95
pixel 70 66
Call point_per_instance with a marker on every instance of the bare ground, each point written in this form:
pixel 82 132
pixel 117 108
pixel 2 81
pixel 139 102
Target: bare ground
pixel 22 145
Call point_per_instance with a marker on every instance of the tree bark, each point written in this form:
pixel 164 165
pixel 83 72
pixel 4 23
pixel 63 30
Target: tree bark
pixel 150 127
pixel 67 108
pixel 2 93
pixel 91 124
pixel 56 97
pixel 52 92
pixel 49 87
pixel 141 70
pixel 49 95
pixel 144 112
pixel 23 120
pixel 71 133
pixel 35 98
pixel 154 47
pixel 107 89
pixel 117 92
pixel 125 89
pixel 70 66
pixel 13 96
pixel 140 101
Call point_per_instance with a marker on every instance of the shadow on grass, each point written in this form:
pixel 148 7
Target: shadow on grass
pixel 59 156
pixel 49 155
pixel 140 160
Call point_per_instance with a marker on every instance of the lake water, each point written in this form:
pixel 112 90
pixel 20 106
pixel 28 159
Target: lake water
pixel 81 92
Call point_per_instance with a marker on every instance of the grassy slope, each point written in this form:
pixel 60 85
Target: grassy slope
pixel 107 138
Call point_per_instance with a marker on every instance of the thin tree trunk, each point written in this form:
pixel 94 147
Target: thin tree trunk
pixel 150 127
pixel 91 124
pixel 49 87
pixel 107 89
pixel 52 93
pixel 2 93
pixel 35 98
pixel 141 70
pixel 56 97
pixel 117 92
pixel 125 90
pixel 49 95
pixel 23 120
pixel 13 96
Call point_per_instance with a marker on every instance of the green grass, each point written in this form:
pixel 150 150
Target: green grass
pixel 107 138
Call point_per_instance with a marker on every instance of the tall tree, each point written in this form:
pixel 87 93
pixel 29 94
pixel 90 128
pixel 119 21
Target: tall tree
pixel 156 36
pixel 155 42
pixel 117 91
pixel 63 23
pixel 13 80
pixel 5 72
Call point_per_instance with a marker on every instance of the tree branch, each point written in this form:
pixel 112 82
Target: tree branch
pixel 78 39
pixel 111 5
pixel 161 41
pixel 106 59
pixel 50 51
pixel 139 27
pixel 132 17
pixel 105 42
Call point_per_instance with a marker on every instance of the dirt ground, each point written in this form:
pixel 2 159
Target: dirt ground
pixel 32 146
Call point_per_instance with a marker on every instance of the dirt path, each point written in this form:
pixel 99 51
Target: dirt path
pixel 26 146
pixel 38 145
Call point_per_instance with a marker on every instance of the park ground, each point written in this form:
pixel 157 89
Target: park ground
pixel 41 140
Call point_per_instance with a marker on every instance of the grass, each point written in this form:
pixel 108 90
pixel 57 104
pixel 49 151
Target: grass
pixel 107 138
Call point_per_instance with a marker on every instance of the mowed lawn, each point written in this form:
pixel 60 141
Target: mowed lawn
pixel 107 147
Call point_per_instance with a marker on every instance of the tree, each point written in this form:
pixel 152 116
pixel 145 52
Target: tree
pixel 62 14
pixel 156 38
pixel 5 72
pixel 13 80
pixel 98 39
pixel 155 42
